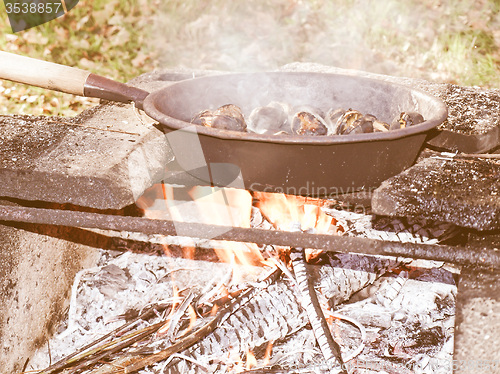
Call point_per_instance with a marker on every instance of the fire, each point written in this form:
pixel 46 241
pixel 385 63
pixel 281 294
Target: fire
pixel 229 207
pixel 192 319
pixel 150 202
pixel 225 207
pixel 251 360
pixel 175 301
pixel 214 310
pixel 284 210
pixel 267 354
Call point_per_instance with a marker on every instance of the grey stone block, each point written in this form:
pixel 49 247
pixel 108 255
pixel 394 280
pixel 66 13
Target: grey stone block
pixel 36 276
pixel 465 192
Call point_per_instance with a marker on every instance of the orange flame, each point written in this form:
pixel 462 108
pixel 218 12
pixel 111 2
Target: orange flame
pixel 267 354
pixel 337 335
pixel 227 207
pixel 230 207
pixel 163 330
pixel 150 202
pixel 192 319
pixel 251 360
pixel 283 210
pixel 214 310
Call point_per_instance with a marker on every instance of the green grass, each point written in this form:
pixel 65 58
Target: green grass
pixel 452 41
pixel 107 37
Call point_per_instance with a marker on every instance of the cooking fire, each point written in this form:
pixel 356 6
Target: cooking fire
pixel 274 308
pixel 200 264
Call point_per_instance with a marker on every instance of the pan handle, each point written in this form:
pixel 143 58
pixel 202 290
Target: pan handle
pixel 66 79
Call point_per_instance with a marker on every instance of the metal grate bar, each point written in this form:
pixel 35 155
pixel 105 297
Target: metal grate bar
pixel 470 255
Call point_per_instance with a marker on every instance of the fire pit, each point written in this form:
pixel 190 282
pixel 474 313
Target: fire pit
pixel 363 160
pixel 263 320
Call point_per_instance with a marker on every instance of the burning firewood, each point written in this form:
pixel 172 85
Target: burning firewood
pixel 238 323
pixel 356 271
pixel 273 313
pixel 138 358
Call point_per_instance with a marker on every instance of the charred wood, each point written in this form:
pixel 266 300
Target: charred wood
pixel 329 347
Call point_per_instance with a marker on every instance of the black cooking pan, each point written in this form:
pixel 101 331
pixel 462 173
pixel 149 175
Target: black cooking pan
pixel 306 165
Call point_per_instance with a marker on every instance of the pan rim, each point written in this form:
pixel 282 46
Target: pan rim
pixel 175 124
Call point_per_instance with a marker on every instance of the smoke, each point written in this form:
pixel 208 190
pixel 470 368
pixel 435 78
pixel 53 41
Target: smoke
pixel 409 38
pixel 263 35
pixel 257 35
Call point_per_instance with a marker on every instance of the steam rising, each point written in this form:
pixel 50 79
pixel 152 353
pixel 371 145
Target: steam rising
pixel 389 37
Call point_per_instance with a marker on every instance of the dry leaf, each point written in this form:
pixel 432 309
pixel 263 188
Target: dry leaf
pixel 87 64
pixel 122 37
pixel 139 60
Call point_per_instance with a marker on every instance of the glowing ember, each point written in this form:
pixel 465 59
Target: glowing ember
pixel 267 354
pixel 251 360
pixel 284 210
pixel 225 207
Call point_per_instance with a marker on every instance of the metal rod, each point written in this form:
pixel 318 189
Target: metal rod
pixel 460 255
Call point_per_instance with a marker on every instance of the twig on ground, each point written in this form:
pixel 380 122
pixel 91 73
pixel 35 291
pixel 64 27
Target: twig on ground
pixel 90 127
pixel 122 343
pixel 176 316
pixel 131 364
pixel 84 352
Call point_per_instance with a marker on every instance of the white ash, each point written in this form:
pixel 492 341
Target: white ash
pixel 101 295
pixel 404 229
pixel 411 322
pixel 348 274
pixel 389 313
pixel 134 281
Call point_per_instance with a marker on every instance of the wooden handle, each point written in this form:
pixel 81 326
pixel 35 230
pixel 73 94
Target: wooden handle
pixel 66 79
pixel 42 73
